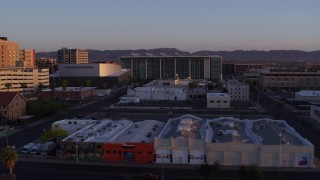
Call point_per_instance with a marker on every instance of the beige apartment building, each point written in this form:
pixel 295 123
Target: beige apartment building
pixel 280 80
pixel 28 57
pixel 72 56
pixel 9 52
pixel 11 79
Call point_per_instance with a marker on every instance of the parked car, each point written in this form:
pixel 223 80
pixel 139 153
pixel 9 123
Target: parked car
pixel 48 148
pixel 36 149
pixel 148 176
pixel 26 149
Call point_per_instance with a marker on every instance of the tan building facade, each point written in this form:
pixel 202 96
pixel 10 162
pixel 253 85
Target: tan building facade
pixel 9 52
pixel 14 76
pixel 28 57
pixel 73 56
pixel 280 80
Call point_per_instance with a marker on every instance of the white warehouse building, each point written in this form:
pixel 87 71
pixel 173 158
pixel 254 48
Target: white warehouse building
pixel 263 142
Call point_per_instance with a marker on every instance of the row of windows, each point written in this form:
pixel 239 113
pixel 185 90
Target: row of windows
pixel 235 97
pixel 238 93
pixel 219 101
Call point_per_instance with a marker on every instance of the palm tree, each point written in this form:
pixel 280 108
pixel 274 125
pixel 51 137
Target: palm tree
pixel 9 157
pixel 40 87
pixel 8 86
pixel 216 169
pixel 23 86
pixel 64 86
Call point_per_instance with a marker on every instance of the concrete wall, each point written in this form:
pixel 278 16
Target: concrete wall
pixel 235 153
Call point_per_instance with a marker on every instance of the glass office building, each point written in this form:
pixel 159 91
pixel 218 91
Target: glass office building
pixel 171 66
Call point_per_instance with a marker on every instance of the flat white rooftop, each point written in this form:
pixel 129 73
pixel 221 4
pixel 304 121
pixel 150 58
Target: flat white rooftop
pixel 186 126
pixel 72 125
pixel 142 131
pixel 309 93
pixel 217 95
pixel 261 131
pixel 100 131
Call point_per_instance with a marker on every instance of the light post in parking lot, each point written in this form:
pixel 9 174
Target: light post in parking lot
pixel 77 151
pixel 280 150
pixel 162 173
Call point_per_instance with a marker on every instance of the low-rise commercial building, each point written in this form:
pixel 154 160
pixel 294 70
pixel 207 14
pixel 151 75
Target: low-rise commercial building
pixel 290 79
pixel 218 100
pixel 264 142
pixel 315 112
pixel 102 75
pixel 307 95
pixel 70 93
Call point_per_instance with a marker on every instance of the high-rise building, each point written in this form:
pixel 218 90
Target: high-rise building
pixel 171 66
pixel 48 63
pixel 9 52
pixel 72 56
pixel 28 57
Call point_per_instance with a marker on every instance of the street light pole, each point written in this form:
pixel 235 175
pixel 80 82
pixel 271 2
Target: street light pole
pixel 162 167
pixel 280 150
pixel 77 151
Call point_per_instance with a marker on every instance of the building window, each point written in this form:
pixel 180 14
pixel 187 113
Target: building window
pixel 114 152
pixel 119 152
pixel 139 152
pixel 108 152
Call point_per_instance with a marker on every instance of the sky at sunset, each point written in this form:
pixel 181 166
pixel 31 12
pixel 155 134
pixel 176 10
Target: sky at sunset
pixel 188 25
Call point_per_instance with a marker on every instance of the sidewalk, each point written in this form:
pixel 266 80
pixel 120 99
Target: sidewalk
pixel 53 159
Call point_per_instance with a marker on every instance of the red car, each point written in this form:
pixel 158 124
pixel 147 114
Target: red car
pixel 148 176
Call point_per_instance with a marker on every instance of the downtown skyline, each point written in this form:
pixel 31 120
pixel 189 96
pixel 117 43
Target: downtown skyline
pixel 185 25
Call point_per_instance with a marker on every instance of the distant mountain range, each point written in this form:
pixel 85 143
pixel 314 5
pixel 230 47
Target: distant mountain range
pixel 236 56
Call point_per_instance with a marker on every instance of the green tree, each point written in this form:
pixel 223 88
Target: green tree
pixel 193 84
pixel 251 172
pixel 104 85
pixel 40 87
pixel 9 157
pixel 8 86
pixel 52 87
pixel 53 134
pixel 64 84
pixel 23 86
pixel 205 170
pixel 87 83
